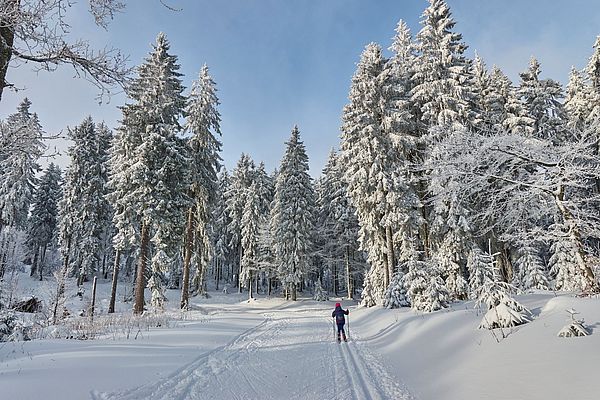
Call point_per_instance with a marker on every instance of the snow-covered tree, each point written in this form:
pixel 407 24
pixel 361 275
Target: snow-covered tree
pixel 578 103
pixel 481 270
pixel 395 294
pixel 372 171
pixel 85 213
pixel 292 222
pixel 541 98
pixel 42 230
pixel 319 294
pixel 251 219
pixel 529 270
pixel 150 178
pixel 220 230
pixel 524 184
pixel 241 179
pixel 20 148
pixel 441 76
pixel 425 287
pixel 337 225
pixel 38 33
pixel 203 123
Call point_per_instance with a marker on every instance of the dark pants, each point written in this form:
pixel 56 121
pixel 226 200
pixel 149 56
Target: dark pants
pixel 340 327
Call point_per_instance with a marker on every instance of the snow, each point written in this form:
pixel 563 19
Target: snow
pixel 228 348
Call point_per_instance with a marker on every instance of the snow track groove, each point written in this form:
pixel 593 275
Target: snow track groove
pixel 290 354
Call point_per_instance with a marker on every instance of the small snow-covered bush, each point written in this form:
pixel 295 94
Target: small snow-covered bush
pixel 425 287
pixel 395 295
pixel 574 327
pixel 502 310
pixel 320 294
pixel 12 329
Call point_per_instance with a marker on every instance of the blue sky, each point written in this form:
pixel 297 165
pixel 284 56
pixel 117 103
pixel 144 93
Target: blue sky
pixel 283 62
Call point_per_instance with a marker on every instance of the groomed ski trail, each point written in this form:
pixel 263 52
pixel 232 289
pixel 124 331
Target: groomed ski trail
pixel 290 355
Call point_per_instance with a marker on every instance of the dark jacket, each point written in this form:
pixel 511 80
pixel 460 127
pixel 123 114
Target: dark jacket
pixel 339 313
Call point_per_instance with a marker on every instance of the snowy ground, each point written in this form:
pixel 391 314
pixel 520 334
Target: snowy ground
pixel 227 348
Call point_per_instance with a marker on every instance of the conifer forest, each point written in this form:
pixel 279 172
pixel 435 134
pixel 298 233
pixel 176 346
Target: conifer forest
pixel 452 186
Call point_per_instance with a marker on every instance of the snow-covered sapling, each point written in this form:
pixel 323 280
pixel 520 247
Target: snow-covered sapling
pixel 575 327
pixel 320 294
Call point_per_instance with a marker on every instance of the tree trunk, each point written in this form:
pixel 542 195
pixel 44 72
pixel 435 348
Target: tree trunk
pixel 348 272
pixel 335 278
pixel 93 299
pixel 60 288
pixel 389 236
pixel 140 282
pixel 7 38
pixel 42 262
pixel 241 253
pixel 217 273
pixel 250 285
pixel 104 270
pixel 34 263
pixel 115 277
pixel 575 235
pixel 187 259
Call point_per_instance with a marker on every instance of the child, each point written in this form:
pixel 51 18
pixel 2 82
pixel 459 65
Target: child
pixel 340 320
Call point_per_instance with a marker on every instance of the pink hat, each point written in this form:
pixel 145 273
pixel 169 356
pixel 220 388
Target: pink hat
pixel 338 305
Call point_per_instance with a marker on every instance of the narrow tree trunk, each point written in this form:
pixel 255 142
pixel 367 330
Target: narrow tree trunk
pixel 335 279
pixel 348 272
pixel 115 278
pixel 390 252
pixel 42 262
pixel 104 270
pixel 241 253
pixel 270 286
pixel 60 288
pixel 575 235
pixel 34 263
pixel 217 273
pixel 140 281
pixel 250 285
pixel 7 37
pixel 187 259
pixel 93 299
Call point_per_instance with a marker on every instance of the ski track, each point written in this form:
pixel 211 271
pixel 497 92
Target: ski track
pixel 290 354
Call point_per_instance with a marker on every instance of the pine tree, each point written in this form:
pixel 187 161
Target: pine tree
pixel 577 103
pixel 84 212
pixel 530 272
pixel 592 71
pixel 441 74
pixel 292 216
pixel 20 148
pixel 251 219
pixel 203 122
pixel 220 228
pixel 41 233
pixel 241 179
pixel 376 186
pixel 541 99
pixel 338 224
pixel 149 176
pixel 481 270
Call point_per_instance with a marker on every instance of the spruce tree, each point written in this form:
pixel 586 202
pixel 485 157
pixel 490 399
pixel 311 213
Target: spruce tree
pixel 42 229
pixel 541 99
pixel 376 186
pixel 292 222
pixel 20 148
pixel 84 212
pixel 203 123
pixel 149 171
pixel 241 179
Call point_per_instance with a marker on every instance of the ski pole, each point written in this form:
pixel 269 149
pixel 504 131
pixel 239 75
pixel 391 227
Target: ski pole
pixel 348 325
pixel 333 320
